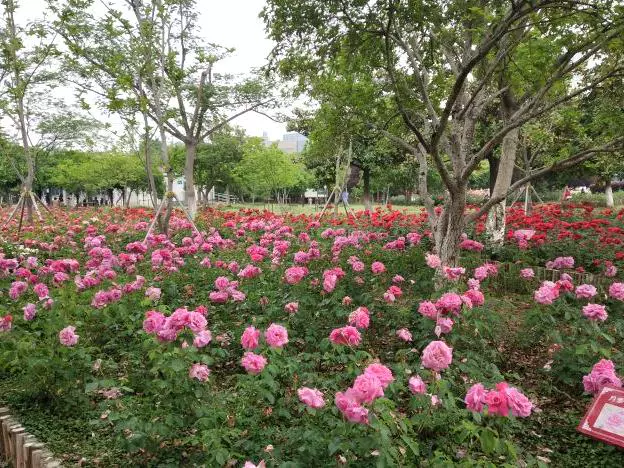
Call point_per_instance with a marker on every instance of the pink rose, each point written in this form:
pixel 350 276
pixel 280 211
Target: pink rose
pixel 154 321
pixel 41 290
pixel 291 307
pixel 428 309
pixel 250 338
pixel 595 312
pixel 616 291
pixel 417 386
pixel 196 322
pixel 450 303
pixel 496 401
pixel 437 356
pixel 475 398
pixel 203 338
pixel 377 268
pixel 520 405
pixel 585 291
pixel 381 372
pixel 433 261
pixel 253 363
pixel 404 334
pixel 366 388
pixel 67 337
pixel 30 310
pixel 360 317
pixel 445 324
pixel 5 323
pixel 199 372
pixel 219 297
pixel 348 335
pixel 527 273
pixel 222 283
pixel 311 397
pixel 329 282
pixel 276 336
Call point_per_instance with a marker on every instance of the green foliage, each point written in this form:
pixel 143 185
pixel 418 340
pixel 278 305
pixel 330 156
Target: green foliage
pixel 95 172
pixel 265 170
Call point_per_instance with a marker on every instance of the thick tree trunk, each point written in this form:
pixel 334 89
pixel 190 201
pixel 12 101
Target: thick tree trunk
pixel 495 224
pixel 609 193
pixel 451 227
pixel 189 189
pixel 366 195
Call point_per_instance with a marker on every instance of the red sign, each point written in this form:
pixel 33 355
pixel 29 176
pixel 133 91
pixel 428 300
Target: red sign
pixel 605 418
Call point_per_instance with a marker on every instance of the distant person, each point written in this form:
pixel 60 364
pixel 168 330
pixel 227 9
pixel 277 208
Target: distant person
pixel 567 194
pixel 345 197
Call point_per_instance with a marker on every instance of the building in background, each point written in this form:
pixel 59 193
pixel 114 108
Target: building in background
pixel 291 142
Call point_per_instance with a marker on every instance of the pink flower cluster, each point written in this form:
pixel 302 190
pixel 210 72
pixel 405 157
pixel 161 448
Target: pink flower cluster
pixel 499 401
pixel 603 373
pixel 360 317
pixel 5 323
pixel 486 270
pixel 366 388
pixel 349 336
pixel 595 312
pixel 471 245
pixel 199 372
pixel 295 274
pixel 311 397
pixel 547 293
pixel 392 293
pixel 225 290
pixel 560 263
pixel 168 328
pixel 68 337
pixel 453 273
pixel 432 260
pixel 616 291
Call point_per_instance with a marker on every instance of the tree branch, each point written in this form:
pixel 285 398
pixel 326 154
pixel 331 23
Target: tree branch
pixel 614 145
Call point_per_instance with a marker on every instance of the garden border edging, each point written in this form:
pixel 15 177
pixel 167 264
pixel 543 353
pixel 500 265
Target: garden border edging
pixel 19 448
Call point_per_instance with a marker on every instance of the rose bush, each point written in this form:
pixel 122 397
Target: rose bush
pixel 289 339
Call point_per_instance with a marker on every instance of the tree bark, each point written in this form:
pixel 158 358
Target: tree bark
pixel 495 224
pixel 148 164
pixel 366 195
pixel 189 189
pixel 609 193
pixel 19 86
pixel 451 227
pixel 493 162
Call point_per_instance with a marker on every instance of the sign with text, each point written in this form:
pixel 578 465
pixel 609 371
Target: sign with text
pixel 604 419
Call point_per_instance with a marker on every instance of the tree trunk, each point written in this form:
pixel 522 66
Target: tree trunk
pixel 19 90
pixel 493 170
pixel 189 189
pixel 368 206
pixel 451 227
pixel 609 193
pixel 495 224
pixel 148 164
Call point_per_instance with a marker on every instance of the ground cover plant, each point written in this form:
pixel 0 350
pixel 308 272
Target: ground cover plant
pixel 286 340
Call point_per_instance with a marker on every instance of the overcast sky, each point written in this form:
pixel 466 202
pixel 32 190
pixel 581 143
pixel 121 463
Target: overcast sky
pixel 231 23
